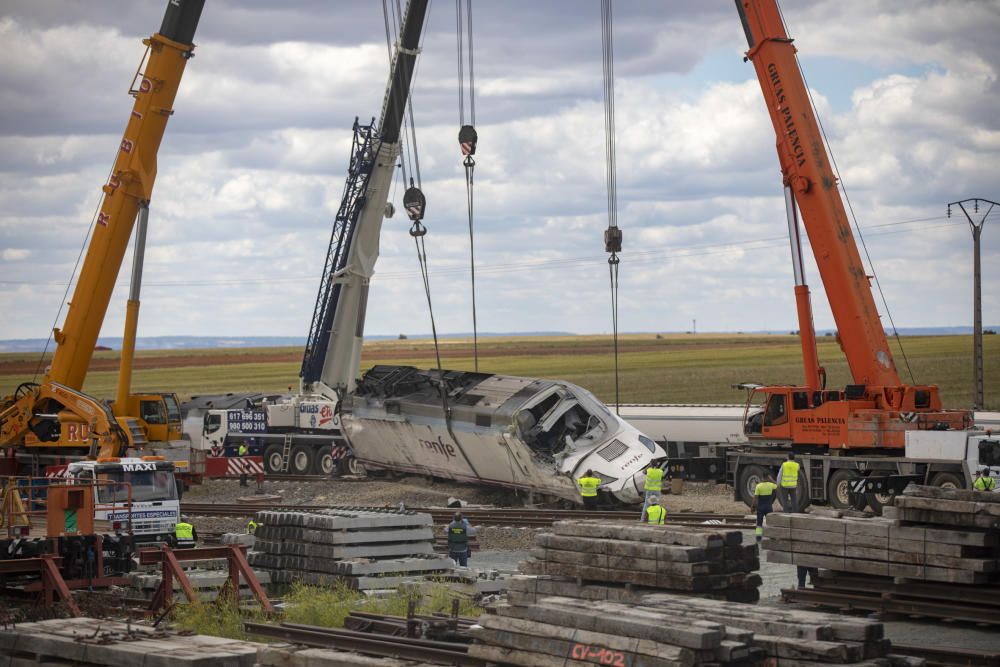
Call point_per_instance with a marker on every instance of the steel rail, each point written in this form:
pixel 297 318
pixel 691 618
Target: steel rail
pixel 444 653
pixel 495 517
pixel 949 656
pixel 958 612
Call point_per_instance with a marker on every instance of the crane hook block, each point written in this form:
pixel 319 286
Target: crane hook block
pixel 468 137
pixel 414 202
pixel 613 239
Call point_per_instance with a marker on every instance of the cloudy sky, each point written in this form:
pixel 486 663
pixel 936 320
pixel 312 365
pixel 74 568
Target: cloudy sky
pixel 252 166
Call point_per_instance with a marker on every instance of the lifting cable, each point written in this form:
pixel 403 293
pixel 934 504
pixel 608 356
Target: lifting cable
pixel 613 234
pixel 467 139
pixel 415 205
pixel 850 207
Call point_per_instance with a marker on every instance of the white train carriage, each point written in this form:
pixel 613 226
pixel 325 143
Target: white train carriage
pixel 522 433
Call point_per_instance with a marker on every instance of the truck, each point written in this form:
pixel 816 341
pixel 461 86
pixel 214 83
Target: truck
pixel 312 445
pixel 54 421
pixel 154 509
pixel 697 437
pixel 859 444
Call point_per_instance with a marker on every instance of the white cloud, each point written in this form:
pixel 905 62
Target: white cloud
pixel 252 165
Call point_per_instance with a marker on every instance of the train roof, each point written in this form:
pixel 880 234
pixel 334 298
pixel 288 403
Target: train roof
pixel 469 393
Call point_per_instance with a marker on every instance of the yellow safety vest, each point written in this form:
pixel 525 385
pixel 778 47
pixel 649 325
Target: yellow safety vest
pixel 789 474
pixel 656 514
pixel 184 531
pixel 985 484
pixel 251 527
pixel 588 486
pixel 764 488
pixel 243 450
pixel 654 479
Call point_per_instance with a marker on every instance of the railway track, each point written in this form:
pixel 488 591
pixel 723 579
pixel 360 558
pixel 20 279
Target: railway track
pixel 436 652
pixel 949 656
pixel 289 477
pixel 532 518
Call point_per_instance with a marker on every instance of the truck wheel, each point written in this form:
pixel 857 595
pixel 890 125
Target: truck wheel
pixel 351 466
pixel 876 501
pixel 947 480
pixel 749 478
pixel 324 461
pixel 300 460
pixel 838 489
pixel 802 497
pixel 272 459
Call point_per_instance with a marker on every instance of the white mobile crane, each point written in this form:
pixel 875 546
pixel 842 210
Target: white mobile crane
pixel 300 433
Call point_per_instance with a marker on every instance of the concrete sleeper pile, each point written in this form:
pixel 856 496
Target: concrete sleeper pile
pixel 363 548
pixel 622 562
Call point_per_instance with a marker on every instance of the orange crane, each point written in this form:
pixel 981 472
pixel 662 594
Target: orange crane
pixel 55 418
pixel 879 408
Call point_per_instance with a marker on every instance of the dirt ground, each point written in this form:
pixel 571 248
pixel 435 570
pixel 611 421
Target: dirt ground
pixel 418 492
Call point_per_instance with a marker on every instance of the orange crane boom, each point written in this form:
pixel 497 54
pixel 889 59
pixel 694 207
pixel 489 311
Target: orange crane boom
pixel 878 408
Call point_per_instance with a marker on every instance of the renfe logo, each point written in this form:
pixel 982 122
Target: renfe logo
pixel 138 467
pixel 440 446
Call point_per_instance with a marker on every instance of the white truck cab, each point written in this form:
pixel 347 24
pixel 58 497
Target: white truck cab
pixel 155 507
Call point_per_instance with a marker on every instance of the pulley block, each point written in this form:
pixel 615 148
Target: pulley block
pixel 613 239
pixel 467 138
pixel 415 203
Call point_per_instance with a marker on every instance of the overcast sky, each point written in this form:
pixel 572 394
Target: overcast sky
pixel 252 166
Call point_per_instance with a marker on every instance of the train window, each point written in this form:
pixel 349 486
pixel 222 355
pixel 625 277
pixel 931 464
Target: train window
pixel 562 426
pixel 545 407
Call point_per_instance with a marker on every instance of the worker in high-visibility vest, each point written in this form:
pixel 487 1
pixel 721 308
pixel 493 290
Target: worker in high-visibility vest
pixel 242 452
pixel 185 534
pixel 656 513
pixel 252 527
pixel 788 484
pixel 763 501
pixel 652 487
pixel 588 489
pixel 985 482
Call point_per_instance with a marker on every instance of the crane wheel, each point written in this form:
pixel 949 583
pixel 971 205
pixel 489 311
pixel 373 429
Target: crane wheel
pixel 838 489
pixel 750 476
pixel 325 464
pixel 272 459
pixel 947 480
pixel 300 460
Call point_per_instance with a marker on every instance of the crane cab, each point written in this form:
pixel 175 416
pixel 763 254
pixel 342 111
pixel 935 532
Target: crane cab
pixel 158 414
pixel 857 417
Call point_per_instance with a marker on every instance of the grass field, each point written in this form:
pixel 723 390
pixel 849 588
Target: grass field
pixel 681 368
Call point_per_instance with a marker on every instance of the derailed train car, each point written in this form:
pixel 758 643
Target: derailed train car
pixel 523 433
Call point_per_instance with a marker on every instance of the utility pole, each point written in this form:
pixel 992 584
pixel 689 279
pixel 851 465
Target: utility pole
pixel 977 289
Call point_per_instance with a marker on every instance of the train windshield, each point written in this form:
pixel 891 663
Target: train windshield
pixel 557 422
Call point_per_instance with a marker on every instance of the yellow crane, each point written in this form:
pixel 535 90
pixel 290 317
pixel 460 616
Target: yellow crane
pixel 55 419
